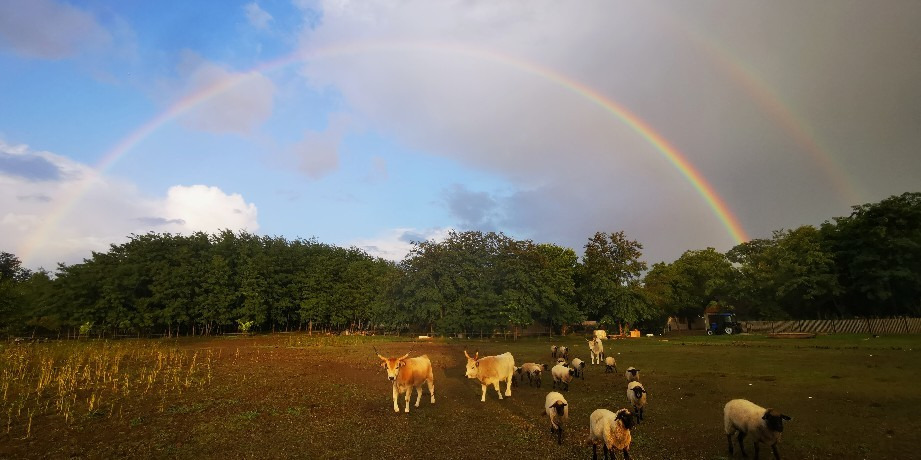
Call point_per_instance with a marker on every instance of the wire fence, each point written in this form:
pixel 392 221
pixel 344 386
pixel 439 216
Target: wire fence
pixel 837 326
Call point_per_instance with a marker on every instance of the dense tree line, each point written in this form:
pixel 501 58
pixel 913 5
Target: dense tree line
pixel 865 264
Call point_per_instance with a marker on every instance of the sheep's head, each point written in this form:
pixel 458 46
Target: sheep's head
pixel 626 418
pixel 638 391
pixel 472 364
pixel 561 361
pixel 553 348
pixel 633 371
pixel 393 365
pixel 572 371
pixel 774 420
pixel 560 407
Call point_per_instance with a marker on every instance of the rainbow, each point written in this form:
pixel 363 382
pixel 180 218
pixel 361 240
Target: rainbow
pixel 768 99
pixel 674 157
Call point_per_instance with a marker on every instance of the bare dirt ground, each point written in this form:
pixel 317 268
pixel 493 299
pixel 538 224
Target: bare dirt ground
pixel 290 396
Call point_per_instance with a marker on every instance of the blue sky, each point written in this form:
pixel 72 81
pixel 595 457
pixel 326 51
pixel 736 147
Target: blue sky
pixel 384 132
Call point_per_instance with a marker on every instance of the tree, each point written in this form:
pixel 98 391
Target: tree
pixel 609 275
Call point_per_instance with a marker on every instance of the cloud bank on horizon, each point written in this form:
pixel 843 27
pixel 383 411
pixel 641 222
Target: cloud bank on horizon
pixel 374 124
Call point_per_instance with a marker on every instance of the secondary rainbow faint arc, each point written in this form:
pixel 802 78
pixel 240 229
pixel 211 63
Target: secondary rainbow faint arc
pixel 717 205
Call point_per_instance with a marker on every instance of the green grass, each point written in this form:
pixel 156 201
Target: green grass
pixel 295 396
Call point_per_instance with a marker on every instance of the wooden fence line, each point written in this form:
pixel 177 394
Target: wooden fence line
pixel 837 326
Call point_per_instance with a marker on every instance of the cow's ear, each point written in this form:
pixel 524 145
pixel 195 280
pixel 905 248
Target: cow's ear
pixel 477 364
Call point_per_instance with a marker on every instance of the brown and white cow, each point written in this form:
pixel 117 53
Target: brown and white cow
pixel 490 370
pixel 405 373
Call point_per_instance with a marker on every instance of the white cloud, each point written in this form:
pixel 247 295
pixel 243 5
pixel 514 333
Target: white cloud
pixel 256 16
pixel 317 154
pixel 63 219
pixel 47 29
pixel 233 102
pixel 396 243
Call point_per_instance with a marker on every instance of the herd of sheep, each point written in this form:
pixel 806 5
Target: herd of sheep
pixel 612 430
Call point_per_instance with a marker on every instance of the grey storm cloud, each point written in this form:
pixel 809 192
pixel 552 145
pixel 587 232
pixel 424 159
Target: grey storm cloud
pixel 47 29
pixel 30 167
pixel 789 112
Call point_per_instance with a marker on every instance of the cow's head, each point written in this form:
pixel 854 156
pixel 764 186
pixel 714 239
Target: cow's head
pixel 472 364
pixel 774 420
pixel 393 365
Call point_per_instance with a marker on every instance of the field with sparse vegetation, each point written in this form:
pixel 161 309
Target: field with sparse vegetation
pixel 299 396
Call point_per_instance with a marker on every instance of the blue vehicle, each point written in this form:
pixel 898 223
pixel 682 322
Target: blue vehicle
pixel 722 323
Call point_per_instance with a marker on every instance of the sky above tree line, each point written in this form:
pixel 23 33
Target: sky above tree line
pixel 375 124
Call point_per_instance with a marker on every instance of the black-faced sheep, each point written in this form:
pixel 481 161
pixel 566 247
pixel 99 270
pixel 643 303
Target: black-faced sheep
pixel 632 374
pixel 612 431
pixel 557 409
pixel 562 375
pixel 611 364
pixel 636 394
pixel 746 417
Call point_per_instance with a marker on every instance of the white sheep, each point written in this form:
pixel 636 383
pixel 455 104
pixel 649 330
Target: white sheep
pixel 612 431
pixel 579 366
pixel 632 374
pixel 557 409
pixel 562 374
pixel 533 371
pixel 611 364
pixel 561 360
pixel 564 351
pixel 637 396
pixel 554 350
pixel 746 417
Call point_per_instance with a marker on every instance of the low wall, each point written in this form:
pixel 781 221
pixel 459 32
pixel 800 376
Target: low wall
pixel 837 326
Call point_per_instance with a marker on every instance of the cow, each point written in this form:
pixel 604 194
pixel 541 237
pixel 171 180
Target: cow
pixel 490 370
pixel 597 350
pixel 405 373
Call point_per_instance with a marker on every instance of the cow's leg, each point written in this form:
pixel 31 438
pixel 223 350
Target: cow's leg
pixel 396 394
pixel 431 383
pixel 483 399
pixel 496 386
pixel 508 385
pixel 409 394
pixel 418 394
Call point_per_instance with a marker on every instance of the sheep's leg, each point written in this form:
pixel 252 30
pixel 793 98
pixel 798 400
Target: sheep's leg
pixel 418 394
pixel 396 394
pixel 742 446
pixel 559 435
pixel 409 394
pixel 483 399
pixel 626 455
pixel 756 447
pixel 431 383
pixel 774 450
pixel 594 451
pixel 496 386
pixel 605 451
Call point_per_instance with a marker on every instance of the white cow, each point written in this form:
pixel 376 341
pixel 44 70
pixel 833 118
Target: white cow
pixel 597 349
pixel 490 370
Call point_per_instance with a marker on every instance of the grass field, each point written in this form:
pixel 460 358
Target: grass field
pixel 296 396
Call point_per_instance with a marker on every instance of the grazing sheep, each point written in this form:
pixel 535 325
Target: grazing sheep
pixel 611 364
pixel 612 431
pixel 562 374
pixel 746 417
pixel 554 350
pixel 637 396
pixel 597 350
pixel 561 360
pixel 517 376
pixel 579 366
pixel 564 352
pixel 558 410
pixel 533 371
pixel 632 374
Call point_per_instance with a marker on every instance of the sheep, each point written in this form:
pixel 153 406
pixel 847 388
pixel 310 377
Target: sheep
pixel 611 364
pixel 557 409
pixel 564 351
pixel 533 371
pixel 554 350
pixel 746 417
pixel 579 366
pixel 637 396
pixel 632 374
pixel 561 360
pixel 517 376
pixel 612 431
pixel 562 374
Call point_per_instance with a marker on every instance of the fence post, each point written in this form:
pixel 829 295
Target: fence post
pixel 869 328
